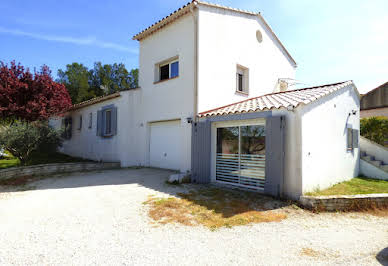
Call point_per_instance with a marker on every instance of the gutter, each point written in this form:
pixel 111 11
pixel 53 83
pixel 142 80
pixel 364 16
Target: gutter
pixel 195 17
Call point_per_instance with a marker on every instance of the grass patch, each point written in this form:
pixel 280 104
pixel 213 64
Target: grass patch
pixel 9 162
pixel 40 158
pixel 214 208
pixel 358 185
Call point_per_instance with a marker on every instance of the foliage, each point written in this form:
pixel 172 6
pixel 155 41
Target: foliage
pixel 21 139
pixel 30 97
pixel 375 129
pixel 84 84
pixel 359 185
pixel 76 80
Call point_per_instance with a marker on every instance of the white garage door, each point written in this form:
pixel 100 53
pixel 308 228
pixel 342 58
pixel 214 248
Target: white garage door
pixel 165 151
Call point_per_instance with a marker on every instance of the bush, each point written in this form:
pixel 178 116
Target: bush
pixel 375 129
pixel 21 139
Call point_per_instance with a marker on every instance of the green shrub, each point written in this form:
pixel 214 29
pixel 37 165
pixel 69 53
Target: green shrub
pixel 375 129
pixel 21 139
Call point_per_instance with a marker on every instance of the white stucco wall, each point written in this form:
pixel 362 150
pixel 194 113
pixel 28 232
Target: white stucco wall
pixel 85 143
pixel 170 99
pixel 227 38
pixel 293 155
pixel 325 158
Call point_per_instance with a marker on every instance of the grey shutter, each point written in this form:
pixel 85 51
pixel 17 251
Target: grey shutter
pixel 201 152
pixel 114 121
pixel 274 155
pixel 99 123
pixel 70 126
pixel 355 138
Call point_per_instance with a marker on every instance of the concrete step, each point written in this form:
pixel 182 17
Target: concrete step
pixel 376 163
pixel 384 167
pixel 367 158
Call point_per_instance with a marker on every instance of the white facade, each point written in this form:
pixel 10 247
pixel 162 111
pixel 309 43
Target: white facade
pixel 316 142
pixel 227 39
pixel 154 122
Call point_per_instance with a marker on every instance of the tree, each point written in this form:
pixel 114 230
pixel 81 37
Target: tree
pixel 375 129
pixel 84 84
pixel 21 139
pixel 29 97
pixel 76 80
pixel 112 77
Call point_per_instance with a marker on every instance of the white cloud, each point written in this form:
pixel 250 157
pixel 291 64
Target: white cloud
pixel 89 41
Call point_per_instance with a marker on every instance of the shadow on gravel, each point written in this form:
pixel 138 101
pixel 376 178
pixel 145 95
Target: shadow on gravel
pixel 382 257
pixel 210 197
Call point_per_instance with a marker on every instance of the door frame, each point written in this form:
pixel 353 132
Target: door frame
pixel 230 123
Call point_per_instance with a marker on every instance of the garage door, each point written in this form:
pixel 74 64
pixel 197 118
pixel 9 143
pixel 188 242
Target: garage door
pixel 165 151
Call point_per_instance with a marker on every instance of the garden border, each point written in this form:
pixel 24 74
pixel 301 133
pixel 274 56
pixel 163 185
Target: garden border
pixel 345 202
pixel 55 168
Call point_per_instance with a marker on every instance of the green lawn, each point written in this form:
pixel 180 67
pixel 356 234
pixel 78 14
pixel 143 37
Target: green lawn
pixel 6 163
pixel 39 158
pixel 358 185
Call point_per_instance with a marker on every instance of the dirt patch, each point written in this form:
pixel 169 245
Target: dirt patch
pixel 19 181
pixel 309 252
pixel 215 208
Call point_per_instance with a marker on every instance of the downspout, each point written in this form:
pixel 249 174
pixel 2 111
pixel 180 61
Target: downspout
pixel 195 17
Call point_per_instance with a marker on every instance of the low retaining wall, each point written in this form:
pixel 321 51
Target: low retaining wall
pixel 46 169
pixel 344 203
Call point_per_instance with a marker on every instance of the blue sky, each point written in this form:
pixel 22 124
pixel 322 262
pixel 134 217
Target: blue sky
pixel 331 40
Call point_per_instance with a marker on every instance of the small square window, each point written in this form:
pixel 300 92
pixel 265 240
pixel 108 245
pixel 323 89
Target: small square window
pixel 167 70
pixel 242 79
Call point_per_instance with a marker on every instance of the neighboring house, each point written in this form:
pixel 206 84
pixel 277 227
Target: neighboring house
pixel 199 58
pixel 375 102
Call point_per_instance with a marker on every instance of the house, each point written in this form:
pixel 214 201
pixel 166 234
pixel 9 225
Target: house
pixel 375 102
pixel 258 134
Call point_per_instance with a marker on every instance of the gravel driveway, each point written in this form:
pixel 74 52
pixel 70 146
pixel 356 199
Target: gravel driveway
pixel 98 218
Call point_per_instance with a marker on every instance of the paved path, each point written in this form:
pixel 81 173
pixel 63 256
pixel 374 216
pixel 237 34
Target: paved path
pixel 98 218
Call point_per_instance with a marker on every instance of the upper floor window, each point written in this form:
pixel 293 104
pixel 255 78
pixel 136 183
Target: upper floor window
pixel 242 79
pixel 167 70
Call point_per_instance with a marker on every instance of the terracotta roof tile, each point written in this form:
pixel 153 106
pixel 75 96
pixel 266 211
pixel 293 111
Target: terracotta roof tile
pixel 278 100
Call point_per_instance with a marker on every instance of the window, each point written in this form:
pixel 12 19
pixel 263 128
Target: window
pixel 80 123
pixel 352 139
pixel 67 127
pixel 167 70
pixel 90 120
pixel 108 122
pixel 242 79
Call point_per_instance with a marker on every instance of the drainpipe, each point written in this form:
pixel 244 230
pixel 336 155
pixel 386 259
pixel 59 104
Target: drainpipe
pixel 195 17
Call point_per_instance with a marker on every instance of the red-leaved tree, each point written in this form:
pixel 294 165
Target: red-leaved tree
pixel 30 97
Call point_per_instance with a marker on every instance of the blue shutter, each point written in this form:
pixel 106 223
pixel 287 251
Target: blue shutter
pixel 274 155
pixel 114 121
pixel 99 123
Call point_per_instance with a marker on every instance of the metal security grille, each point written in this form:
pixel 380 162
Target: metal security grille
pixel 242 170
pixel 237 159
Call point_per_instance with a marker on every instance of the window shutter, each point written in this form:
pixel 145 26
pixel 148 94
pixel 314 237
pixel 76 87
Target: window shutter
pixel 274 155
pixel 70 128
pixel 99 123
pixel 114 121
pixel 355 138
pixel 350 140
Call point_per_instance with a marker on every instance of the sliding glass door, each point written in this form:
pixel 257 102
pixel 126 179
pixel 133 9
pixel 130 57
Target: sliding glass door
pixel 240 158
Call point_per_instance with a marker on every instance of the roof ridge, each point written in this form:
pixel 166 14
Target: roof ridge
pixel 275 93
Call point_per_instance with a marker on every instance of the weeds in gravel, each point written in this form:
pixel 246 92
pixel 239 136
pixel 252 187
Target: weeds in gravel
pixel 215 208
